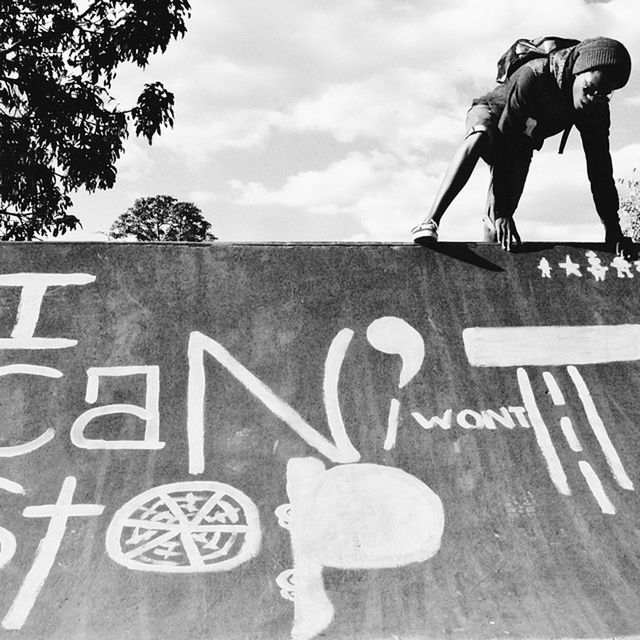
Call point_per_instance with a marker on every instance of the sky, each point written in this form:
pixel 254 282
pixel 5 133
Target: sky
pixel 334 120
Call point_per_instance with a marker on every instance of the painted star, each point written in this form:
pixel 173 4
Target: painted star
pixel 571 268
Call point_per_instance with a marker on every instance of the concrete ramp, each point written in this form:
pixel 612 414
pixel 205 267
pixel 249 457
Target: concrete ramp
pixel 318 441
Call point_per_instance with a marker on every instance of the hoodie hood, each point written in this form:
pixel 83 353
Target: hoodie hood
pixel 561 65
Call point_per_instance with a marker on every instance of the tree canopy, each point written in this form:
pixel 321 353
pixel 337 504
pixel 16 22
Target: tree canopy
pixel 163 219
pixel 630 207
pixel 60 128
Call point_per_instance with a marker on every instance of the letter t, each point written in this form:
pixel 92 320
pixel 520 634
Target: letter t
pixel 59 513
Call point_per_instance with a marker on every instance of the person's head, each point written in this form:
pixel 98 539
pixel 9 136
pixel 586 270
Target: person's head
pixel 601 65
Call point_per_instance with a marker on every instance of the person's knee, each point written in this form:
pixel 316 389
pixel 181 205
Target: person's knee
pixel 477 144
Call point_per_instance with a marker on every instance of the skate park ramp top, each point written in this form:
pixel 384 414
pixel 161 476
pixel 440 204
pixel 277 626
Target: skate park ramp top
pixel 336 441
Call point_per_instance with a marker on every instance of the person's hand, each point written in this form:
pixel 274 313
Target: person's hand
pixel 506 233
pixel 625 248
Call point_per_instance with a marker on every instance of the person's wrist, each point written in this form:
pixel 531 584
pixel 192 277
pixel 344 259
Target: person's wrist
pixel 612 237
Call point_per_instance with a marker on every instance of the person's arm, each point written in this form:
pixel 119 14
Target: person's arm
pixel 594 131
pixel 516 122
pixel 511 165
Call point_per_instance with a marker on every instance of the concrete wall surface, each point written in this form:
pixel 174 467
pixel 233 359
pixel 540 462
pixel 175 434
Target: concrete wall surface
pixel 318 441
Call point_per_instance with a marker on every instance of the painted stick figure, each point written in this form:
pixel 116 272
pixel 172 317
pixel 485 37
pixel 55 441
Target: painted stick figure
pixel 622 266
pixel 596 267
pixel 545 268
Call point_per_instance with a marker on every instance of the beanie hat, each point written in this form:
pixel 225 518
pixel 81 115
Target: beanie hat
pixel 603 53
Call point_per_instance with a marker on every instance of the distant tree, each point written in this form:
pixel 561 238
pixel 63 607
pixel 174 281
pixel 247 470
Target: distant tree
pixel 630 207
pixel 164 219
pixel 60 129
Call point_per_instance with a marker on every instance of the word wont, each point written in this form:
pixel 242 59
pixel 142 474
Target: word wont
pixel 505 417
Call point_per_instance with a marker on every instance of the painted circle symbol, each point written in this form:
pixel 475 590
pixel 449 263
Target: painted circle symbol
pixel 186 527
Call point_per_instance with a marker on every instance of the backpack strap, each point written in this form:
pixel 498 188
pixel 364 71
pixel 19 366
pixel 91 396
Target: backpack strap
pixel 563 140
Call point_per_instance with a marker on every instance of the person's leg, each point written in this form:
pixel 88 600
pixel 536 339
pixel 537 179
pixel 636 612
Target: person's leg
pixel 457 175
pixel 508 177
pixel 481 125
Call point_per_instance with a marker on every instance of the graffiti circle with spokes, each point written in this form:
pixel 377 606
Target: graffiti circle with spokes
pixel 185 527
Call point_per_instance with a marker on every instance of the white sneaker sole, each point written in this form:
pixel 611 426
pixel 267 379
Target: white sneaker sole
pixel 424 236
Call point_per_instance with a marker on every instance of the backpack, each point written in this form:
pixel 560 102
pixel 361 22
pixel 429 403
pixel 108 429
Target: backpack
pixel 523 50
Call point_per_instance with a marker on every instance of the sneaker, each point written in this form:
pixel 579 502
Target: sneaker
pixel 426 232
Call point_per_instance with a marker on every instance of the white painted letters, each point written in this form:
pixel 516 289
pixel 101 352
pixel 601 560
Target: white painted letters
pixel 436 421
pixel 48 434
pixel 396 336
pixel 543 438
pixel 392 425
pixel 554 345
pixel 469 419
pixel 7 547
pixel 150 413
pixel 332 368
pixel 34 287
pixel 341 450
pixel 611 455
pixel 503 417
pixel 59 514
pixel 354 516
pixel 11 487
pixel 606 506
pixel 521 416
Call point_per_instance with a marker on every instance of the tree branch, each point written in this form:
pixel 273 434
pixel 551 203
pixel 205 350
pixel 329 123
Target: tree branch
pixel 14 214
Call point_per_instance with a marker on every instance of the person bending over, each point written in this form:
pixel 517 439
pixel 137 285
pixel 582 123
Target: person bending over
pixel 544 96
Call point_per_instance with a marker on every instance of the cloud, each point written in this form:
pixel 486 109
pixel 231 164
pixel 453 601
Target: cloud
pixel 244 70
pixel 388 195
pixel 238 129
pixel 402 110
pixel 626 159
pixel 353 109
pixel 80 235
pixel 328 191
pixel 382 192
pixel 135 162
pixel 205 197
pixel 348 68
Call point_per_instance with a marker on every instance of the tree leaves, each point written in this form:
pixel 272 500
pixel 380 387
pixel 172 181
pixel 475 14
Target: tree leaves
pixel 59 129
pixel 153 111
pixel 162 218
pixel 630 207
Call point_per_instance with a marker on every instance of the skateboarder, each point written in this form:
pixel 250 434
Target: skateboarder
pixel 544 96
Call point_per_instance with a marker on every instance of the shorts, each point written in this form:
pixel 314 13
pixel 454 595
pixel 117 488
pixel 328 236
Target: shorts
pixel 481 118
